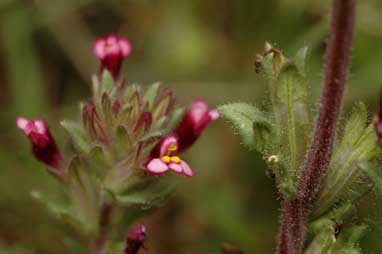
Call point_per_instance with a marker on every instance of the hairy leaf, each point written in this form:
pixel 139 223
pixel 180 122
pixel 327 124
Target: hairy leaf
pixel 78 135
pixel 357 145
pixel 251 123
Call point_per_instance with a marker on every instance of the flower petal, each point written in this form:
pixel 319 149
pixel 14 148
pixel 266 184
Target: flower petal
pixel 168 141
pixel 186 169
pixel 22 123
pixel 40 126
pixel 197 111
pixel 125 47
pixel 214 114
pixel 157 166
pixel 175 167
pixel 99 48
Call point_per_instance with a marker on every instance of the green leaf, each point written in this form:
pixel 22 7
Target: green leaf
pixel 107 110
pixel 84 200
pixel 324 239
pixel 288 91
pixel 300 60
pixel 147 194
pixel 163 105
pixel 357 146
pixel 151 94
pixel 252 124
pixel 292 114
pixel 98 160
pixel 173 119
pixel 123 141
pixel 107 83
pixel 60 209
pixel 77 134
pixel 348 240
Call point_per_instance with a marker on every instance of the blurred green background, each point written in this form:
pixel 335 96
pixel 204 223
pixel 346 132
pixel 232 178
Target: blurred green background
pixel 199 48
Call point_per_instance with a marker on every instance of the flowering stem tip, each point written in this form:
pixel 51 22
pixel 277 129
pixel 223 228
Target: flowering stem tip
pixel 165 154
pixel 43 144
pixel 111 51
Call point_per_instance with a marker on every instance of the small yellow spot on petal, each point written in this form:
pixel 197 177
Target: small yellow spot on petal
pixel 175 159
pixel 166 159
pixel 172 148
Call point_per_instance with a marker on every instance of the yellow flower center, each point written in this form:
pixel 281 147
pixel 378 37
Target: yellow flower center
pixel 175 159
pixel 167 159
pixel 172 148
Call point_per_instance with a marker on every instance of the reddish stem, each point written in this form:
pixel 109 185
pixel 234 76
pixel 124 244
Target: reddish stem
pixel 104 221
pixel 295 212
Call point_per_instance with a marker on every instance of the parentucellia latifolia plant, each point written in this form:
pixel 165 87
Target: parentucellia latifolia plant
pixel 125 156
pixel 322 172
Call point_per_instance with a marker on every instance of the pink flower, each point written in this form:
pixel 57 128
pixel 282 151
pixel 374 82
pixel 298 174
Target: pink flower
pixel 43 145
pixel 111 51
pixel 196 119
pixel 378 121
pixel 135 240
pixel 165 158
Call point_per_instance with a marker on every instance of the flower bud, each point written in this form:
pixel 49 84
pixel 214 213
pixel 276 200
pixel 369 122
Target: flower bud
pixel 43 145
pixel 111 51
pixel 378 122
pixel 196 119
pixel 135 240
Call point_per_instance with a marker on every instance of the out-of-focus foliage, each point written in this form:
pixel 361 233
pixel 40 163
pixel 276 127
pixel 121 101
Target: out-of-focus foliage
pixel 198 48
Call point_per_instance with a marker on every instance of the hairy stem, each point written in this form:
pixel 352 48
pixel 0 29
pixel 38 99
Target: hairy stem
pixel 295 212
pixel 104 221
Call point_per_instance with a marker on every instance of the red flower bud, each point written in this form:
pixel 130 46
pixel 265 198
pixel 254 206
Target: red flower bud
pixel 378 121
pixel 135 240
pixel 43 145
pixel 111 51
pixel 196 119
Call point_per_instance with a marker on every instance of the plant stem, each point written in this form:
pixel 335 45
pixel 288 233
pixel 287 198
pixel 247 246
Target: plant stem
pixel 295 212
pixel 104 221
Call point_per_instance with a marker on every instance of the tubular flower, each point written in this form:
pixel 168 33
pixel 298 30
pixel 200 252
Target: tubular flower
pixel 111 51
pixel 196 119
pixel 167 158
pixel 43 145
pixel 135 240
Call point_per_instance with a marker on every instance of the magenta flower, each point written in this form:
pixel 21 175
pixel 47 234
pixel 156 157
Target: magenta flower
pixel 378 121
pixel 135 240
pixel 111 51
pixel 43 145
pixel 165 158
pixel 196 119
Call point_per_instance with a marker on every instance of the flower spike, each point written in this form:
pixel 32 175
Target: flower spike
pixel 43 144
pixel 111 51
pixel 196 119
